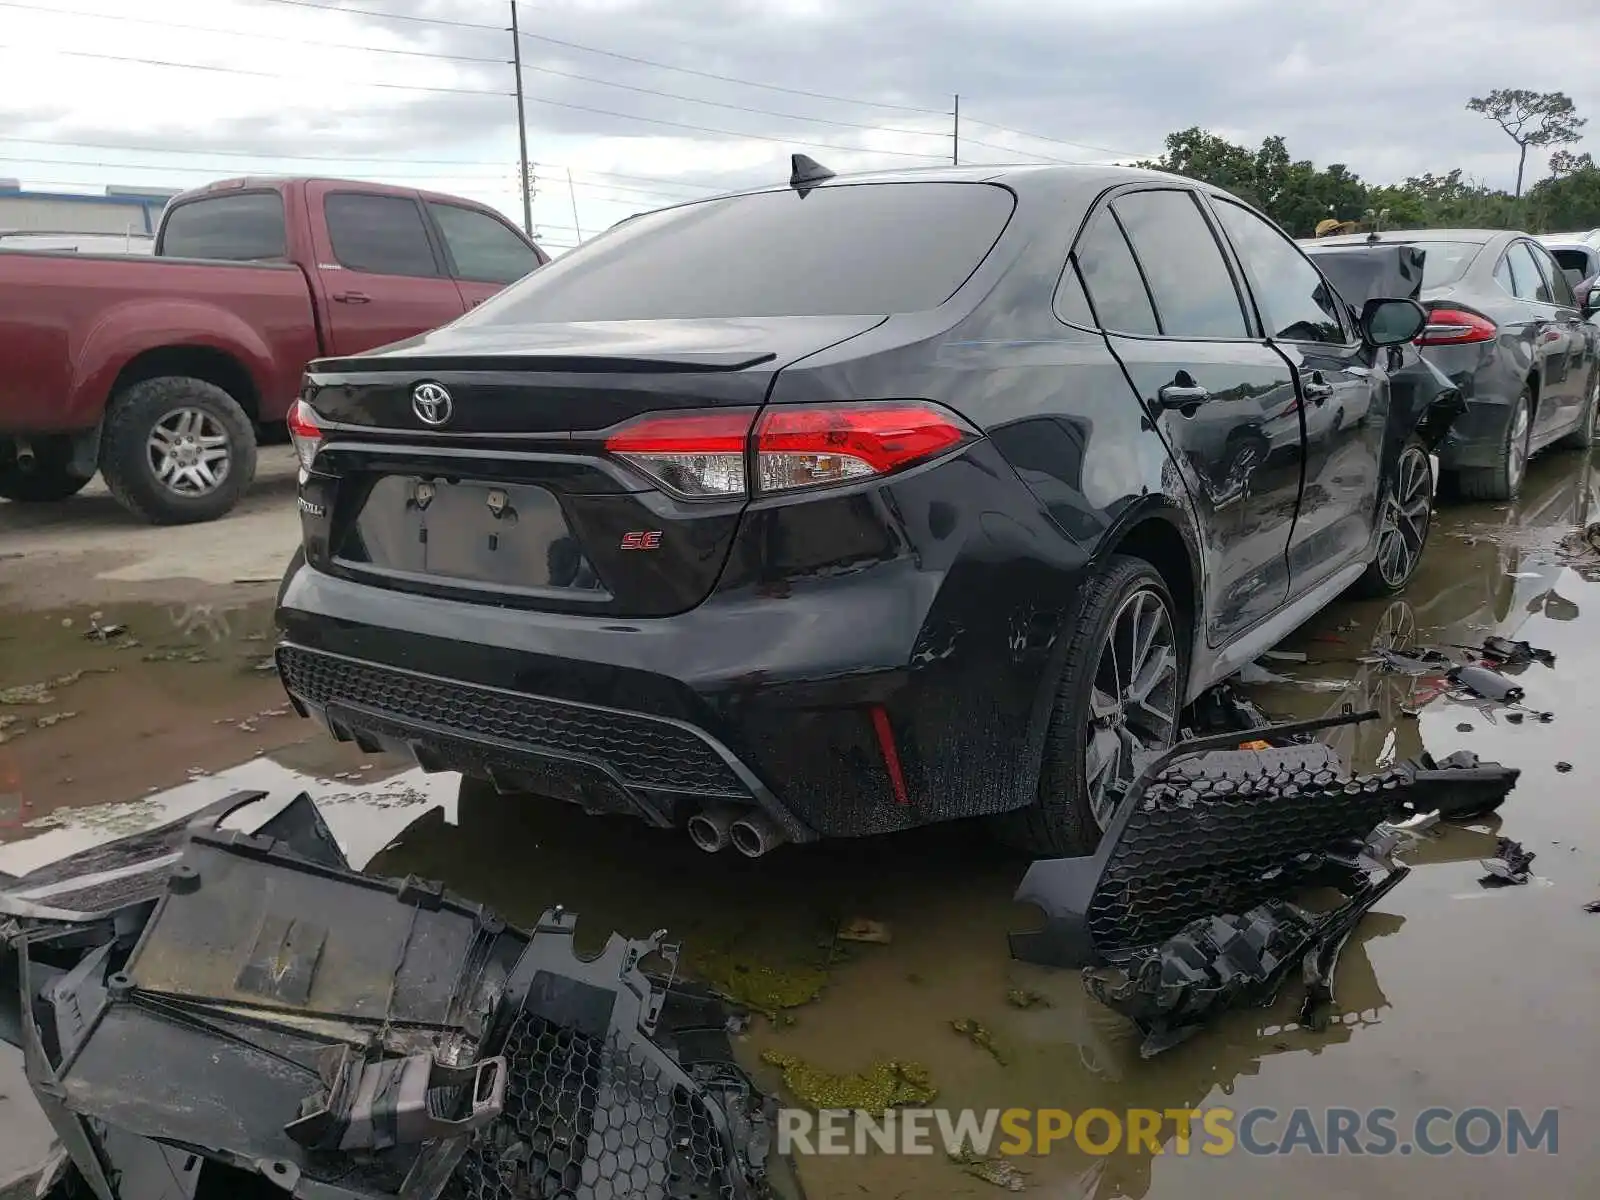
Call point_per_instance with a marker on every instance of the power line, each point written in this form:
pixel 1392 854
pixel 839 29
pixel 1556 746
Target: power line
pixel 161 62
pixel 211 171
pixel 146 148
pixel 771 87
pixel 605 112
pixel 161 23
pixel 363 12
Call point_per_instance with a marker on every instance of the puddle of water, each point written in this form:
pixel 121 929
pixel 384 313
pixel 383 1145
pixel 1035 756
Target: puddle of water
pixel 1447 995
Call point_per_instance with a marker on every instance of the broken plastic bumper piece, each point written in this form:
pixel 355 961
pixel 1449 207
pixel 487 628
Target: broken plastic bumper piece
pixel 245 1006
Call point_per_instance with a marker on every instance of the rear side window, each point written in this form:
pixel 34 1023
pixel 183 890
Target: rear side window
pixel 1193 289
pixel 245 227
pixel 851 249
pixel 1556 285
pixel 382 235
pixel 1116 289
pixel 483 249
pixel 1526 282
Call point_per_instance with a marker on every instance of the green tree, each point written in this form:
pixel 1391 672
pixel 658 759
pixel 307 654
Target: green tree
pixel 1530 119
pixel 1570 198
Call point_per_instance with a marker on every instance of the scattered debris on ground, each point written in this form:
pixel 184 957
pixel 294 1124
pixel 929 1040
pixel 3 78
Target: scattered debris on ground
pixel 1026 998
pixel 882 1086
pixel 978 1034
pixel 1509 865
pixel 999 1171
pixel 860 929
pixel 1183 911
pixel 288 1021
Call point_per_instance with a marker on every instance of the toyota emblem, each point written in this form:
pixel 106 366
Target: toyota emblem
pixel 431 403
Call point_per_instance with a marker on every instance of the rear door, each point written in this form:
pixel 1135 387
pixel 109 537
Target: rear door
pixel 1221 397
pixel 1344 410
pixel 1568 398
pixel 383 278
pixel 484 253
pixel 1518 273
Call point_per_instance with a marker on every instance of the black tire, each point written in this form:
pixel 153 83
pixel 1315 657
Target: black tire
pixel 47 479
pixel 1062 820
pixel 1584 436
pixel 1503 480
pixel 1405 515
pixel 126 455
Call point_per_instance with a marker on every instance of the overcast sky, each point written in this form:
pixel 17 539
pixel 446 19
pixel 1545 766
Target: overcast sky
pixel 330 87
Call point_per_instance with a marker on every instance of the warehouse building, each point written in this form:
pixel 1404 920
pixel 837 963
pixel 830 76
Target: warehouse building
pixel 129 212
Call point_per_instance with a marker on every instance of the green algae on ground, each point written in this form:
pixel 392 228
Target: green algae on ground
pixel 756 986
pixel 883 1085
pixel 991 1170
pixel 980 1037
pixel 1027 998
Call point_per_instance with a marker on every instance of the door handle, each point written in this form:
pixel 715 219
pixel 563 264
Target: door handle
pixel 352 297
pixel 475 303
pixel 1316 387
pixel 1182 395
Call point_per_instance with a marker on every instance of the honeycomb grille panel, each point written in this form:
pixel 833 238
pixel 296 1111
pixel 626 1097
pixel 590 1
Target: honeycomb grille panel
pixel 643 752
pixel 592 1118
pixel 1213 833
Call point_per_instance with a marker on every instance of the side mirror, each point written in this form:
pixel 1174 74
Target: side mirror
pixel 1588 296
pixel 1391 322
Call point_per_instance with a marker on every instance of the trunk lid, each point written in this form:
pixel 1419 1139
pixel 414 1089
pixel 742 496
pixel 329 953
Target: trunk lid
pixel 493 483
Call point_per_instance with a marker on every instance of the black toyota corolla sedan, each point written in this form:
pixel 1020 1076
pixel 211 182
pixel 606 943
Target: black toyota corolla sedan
pixel 852 505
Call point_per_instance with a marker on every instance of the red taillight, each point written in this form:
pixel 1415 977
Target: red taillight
pixel 696 455
pixel 1456 327
pixel 803 447
pixel 703 455
pixel 304 432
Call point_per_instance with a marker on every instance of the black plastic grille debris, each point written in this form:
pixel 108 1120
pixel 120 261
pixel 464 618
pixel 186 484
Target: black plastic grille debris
pixel 590 1118
pixel 1218 832
pixel 644 752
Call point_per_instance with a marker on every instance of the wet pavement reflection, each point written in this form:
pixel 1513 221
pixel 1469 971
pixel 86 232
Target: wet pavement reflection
pixel 1449 994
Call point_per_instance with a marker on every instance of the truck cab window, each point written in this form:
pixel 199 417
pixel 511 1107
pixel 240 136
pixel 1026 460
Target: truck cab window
pixel 382 235
pixel 481 248
pixel 236 228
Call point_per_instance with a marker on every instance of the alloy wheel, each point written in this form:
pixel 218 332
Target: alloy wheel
pixel 1406 514
pixel 188 452
pixel 1133 708
pixel 1517 458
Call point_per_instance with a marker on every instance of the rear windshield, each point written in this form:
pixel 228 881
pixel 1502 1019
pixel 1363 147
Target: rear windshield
pixel 1446 261
pixel 851 249
pixel 238 228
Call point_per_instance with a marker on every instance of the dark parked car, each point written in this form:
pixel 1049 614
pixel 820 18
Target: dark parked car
pixel 1505 326
pixel 850 506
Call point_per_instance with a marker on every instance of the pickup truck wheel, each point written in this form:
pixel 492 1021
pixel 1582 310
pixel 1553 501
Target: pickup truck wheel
pixel 177 450
pixel 46 479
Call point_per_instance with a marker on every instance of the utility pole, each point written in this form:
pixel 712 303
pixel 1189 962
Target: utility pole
pixel 522 126
pixel 577 225
pixel 955 133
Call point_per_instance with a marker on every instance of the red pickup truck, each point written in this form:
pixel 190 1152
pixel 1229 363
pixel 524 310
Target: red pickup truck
pixel 161 371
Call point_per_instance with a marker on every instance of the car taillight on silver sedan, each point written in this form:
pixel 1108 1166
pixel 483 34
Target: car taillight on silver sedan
pixel 706 455
pixel 1456 327
pixel 304 433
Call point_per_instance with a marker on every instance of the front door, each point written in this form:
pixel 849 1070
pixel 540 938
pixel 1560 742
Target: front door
pixel 485 254
pixel 382 278
pixel 1222 399
pixel 1344 409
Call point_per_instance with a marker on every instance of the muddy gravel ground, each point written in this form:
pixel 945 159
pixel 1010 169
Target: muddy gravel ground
pixel 1449 994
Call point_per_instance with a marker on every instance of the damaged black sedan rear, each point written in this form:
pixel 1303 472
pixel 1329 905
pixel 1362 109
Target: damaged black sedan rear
pixel 854 505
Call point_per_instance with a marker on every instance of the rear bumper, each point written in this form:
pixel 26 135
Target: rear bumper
pixel 1489 389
